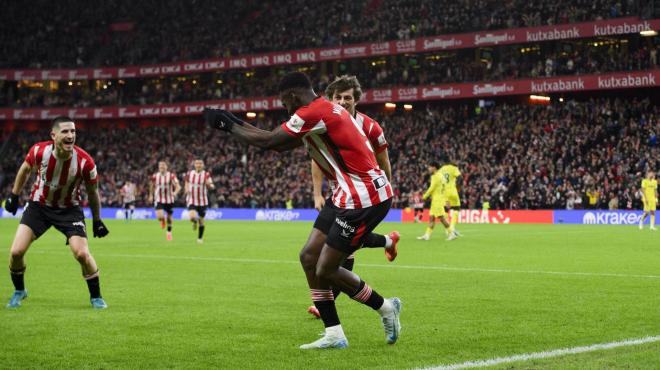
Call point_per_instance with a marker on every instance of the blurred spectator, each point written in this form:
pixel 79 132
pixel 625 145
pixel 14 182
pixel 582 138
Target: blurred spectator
pixel 58 34
pixel 517 156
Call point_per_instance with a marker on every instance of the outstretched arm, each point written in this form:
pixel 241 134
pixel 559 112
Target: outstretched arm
pixel 276 139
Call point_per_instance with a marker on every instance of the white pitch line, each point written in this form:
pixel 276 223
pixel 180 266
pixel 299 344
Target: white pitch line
pixel 394 266
pixel 546 354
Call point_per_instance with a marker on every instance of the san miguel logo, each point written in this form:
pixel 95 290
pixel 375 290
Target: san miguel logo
pixel 438 92
pixel 493 38
pixel 441 43
pixel 491 89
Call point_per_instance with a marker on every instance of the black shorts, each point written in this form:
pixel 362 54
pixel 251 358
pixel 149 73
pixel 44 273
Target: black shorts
pixel 326 217
pixel 350 226
pixel 129 205
pixel 201 210
pixel 69 221
pixel 167 207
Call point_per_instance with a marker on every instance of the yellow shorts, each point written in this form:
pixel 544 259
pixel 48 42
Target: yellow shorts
pixel 438 208
pixel 453 198
pixel 650 205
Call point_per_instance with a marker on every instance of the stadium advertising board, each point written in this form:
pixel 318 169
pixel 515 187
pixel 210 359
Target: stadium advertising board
pixel 477 216
pixel 605 81
pixel 244 214
pixel 420 45
pixel 597 217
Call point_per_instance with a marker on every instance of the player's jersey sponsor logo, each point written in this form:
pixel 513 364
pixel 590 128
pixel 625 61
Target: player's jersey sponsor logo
pixel 347 230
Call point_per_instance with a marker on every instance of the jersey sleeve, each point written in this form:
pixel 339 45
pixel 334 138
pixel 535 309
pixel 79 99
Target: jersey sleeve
pixel 376 136
pixel 89 174
pixel 304 121
pixel 434 184
pixel 456 171
pixel 31 157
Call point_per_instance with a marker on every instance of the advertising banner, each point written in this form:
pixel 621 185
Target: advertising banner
pixel 477 216
pixel 244 214
pixel 607 27
pixel 598 217
pixel 483 89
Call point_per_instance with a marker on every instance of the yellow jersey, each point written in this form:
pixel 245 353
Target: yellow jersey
pixel 649 188
pixel 437 188
pixel 449 174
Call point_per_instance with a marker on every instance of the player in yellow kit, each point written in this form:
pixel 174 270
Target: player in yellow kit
pixel 437 193
pixel 450 174
pixel 650 199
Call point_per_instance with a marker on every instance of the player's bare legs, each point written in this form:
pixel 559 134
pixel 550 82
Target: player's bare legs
pixel 329 268
pixel 80 250
pixel 22 241
pixel 429 229
pixel 161 218
pixel 169 226
pixel 645 216
pixel 194 218
pixel 200 231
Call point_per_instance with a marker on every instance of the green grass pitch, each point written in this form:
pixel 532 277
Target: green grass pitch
pixel 239 300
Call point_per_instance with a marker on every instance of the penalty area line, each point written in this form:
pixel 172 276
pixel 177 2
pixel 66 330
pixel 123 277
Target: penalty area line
pixel 546 354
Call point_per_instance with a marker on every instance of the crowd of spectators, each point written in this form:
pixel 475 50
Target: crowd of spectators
pixel 505 62
pixel 63 34
pixel 576 154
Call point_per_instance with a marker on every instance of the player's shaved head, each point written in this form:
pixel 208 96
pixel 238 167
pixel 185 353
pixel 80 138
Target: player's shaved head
pixel 294 80
pixel 55 123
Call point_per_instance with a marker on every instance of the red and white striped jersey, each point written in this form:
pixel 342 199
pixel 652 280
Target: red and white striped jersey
pixel 372 129
pixel 338 144
pixel 58 181
pixel 196 191
pixel 128 192
pixel 164 186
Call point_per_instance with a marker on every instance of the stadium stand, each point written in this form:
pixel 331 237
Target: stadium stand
pixel 517 156
pixel 119 32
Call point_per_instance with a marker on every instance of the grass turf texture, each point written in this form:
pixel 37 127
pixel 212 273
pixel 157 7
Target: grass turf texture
pixel 240 299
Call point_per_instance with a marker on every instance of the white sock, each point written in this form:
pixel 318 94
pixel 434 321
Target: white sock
pixel 335 331
pixel 388 241
pixel 386 309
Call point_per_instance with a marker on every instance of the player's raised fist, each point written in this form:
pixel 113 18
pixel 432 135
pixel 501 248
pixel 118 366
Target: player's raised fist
pixel 217 119
pixel 99 229
pixel 11 203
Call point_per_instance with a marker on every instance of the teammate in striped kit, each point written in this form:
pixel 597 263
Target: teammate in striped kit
pixel 61 167
pixel 127 193
pixel 346 91
pixel 163 189
pixel 361 195
pixel 197 182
